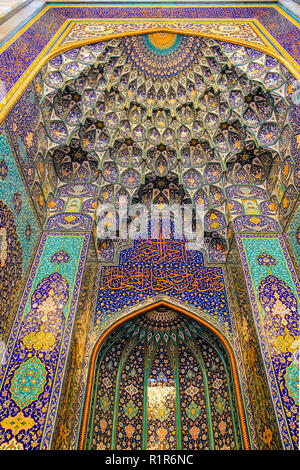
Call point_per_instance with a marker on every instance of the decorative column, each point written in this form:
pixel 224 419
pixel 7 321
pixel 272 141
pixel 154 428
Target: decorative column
pixel 38 347
pixel 274 289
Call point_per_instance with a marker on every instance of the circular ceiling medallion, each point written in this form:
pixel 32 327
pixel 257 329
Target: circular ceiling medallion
pixel 162 54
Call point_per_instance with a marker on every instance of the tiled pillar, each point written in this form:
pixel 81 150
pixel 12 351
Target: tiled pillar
pixel 37 351
pixel 274 289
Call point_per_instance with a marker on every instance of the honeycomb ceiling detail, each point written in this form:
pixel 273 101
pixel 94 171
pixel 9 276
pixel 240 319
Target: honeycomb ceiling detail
pixel 214 115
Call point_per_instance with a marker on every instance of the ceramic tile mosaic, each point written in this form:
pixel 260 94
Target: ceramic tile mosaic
pixel 36 355
pixel 274 293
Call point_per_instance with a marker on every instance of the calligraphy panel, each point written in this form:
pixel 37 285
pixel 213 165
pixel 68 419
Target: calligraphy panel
pixel 166 267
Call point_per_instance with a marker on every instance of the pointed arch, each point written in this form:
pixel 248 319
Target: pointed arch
pixel 187 313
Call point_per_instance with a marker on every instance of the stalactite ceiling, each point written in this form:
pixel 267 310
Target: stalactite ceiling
pixel 212 115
